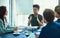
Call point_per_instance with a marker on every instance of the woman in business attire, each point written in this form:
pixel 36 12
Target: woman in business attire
pixel 57 13
pixel 52 29
pixel 3 22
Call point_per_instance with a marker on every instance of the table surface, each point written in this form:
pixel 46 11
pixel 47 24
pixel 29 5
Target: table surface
pixel 22 34
pixel 19 36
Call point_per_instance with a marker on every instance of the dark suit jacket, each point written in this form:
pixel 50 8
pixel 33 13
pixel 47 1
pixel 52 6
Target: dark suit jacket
pixel 51 30
pixel 58 20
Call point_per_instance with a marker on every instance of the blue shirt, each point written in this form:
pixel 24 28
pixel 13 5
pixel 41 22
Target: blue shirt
pixel 51 30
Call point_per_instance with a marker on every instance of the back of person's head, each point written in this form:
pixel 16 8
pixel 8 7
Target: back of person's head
pixel 48 15
pixel 37 6
pixel 57 9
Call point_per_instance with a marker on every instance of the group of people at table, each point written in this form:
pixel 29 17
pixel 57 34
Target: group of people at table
pixel 50 30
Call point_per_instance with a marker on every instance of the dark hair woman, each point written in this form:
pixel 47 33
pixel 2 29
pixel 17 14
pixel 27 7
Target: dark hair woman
pixel 3 12
pixel 3 26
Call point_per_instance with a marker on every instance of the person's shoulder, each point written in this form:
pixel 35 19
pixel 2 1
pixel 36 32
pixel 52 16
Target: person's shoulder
pixel 57 24
pixel 45 28
pixel 58 20
pixel 1 21
pixel 48 26
pixel 39 15
pixel 30 15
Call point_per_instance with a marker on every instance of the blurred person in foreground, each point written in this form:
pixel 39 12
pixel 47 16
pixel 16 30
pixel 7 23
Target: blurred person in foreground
pixel 52 29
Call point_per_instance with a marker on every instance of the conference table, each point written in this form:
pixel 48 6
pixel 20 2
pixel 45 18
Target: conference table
pixel 26 33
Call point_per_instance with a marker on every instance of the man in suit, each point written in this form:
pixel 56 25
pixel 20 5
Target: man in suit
pixel 57 13
pixel 52 29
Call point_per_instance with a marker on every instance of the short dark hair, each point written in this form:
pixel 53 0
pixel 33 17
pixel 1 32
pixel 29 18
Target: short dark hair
pixel 37 6
pixel 57 9
pixel 48 15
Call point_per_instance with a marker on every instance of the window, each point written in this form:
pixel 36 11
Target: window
pixel 21 10
pixel 6 3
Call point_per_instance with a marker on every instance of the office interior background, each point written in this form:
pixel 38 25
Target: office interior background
pixel 19 10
